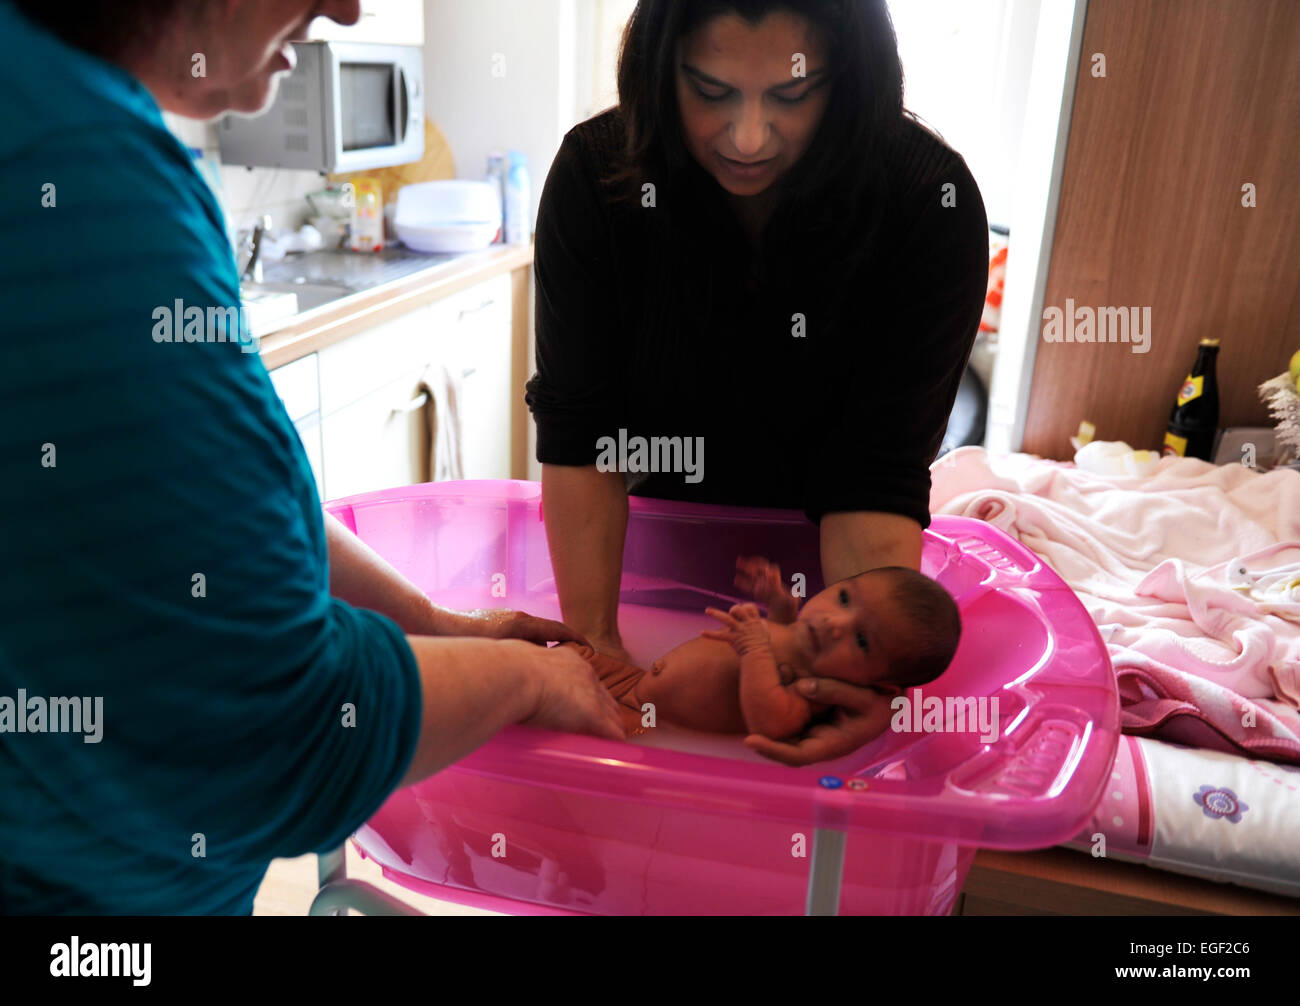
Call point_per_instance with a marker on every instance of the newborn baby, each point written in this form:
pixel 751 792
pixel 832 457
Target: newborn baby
pixel 886 629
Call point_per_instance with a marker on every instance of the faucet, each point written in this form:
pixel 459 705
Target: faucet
pixel 252 267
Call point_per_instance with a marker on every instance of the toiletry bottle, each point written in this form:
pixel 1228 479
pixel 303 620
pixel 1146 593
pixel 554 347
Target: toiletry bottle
pixel 496 175
pixel 1194 421
pixel 367 216
pixel 518 200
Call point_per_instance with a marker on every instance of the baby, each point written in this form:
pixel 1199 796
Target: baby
pixel 887 629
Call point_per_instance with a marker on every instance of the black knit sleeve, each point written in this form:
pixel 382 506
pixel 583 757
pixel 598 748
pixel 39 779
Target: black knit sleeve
pixel 907 357
pixel 574 393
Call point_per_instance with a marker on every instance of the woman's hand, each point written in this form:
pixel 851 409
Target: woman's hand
pixel 569 696
pixel 611 648
pixel 860 716
pixel 762 581
pixel 504 623
pixel 744 630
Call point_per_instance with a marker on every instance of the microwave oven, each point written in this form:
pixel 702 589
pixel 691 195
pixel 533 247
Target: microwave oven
pixel 346 106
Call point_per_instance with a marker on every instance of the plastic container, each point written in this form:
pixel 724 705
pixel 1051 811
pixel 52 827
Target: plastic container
pixel 677 822
pixel 1115 457
pixel 448 216
pixel 367 234
pixel 519 200
pixel 496 177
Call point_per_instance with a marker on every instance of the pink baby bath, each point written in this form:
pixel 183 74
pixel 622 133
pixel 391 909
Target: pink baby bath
pixel 1009 749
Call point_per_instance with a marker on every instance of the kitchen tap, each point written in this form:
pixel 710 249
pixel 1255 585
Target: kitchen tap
pixel 252 266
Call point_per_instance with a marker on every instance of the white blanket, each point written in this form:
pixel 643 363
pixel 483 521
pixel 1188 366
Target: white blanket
pixel 1192 575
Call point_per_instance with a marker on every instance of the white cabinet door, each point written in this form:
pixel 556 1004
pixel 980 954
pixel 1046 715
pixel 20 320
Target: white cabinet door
pixel 363 363
pixel 376 442
pixel 395 22
pixel 374 437
pixel 475 336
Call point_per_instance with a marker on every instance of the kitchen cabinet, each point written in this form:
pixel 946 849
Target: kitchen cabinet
pixel 395 22
pixel 375 442
pixel 298 385
pixel 475 328
pixel 375 422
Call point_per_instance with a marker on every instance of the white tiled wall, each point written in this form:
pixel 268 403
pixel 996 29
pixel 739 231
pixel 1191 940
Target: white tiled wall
pixel 247 193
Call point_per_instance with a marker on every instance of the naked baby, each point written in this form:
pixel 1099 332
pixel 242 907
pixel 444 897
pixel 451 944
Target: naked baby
pixel 884 630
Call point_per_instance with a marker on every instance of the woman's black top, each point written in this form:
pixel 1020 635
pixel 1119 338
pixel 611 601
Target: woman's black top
pixel 818 372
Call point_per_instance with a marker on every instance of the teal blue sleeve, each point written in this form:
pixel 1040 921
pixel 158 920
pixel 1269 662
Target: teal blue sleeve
pixel 162 548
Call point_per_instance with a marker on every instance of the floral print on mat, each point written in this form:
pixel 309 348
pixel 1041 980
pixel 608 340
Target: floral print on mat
pixel 1220 802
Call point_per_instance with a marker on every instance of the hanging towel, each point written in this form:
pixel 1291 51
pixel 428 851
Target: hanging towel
pixel 443 459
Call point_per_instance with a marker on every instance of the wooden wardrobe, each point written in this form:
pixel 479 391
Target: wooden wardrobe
pixel 1199 98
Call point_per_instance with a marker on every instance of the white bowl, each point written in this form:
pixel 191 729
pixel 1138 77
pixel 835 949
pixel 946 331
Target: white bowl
pixel 448 216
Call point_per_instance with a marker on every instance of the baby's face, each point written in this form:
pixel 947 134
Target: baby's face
pixel 842 631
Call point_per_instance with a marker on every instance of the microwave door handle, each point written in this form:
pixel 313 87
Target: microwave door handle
pixel 403 87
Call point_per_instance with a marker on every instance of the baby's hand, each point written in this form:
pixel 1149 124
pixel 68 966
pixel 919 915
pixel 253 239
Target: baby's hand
pixel 744 630
pixel 762 581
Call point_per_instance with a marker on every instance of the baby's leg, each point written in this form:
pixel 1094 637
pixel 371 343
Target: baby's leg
pixel 696 685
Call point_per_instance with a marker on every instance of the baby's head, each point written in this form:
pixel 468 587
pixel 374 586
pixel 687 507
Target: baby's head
pixel 890 628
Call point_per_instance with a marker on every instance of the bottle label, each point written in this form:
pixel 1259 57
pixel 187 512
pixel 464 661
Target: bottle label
pixel 1192 388
pixel 1174 445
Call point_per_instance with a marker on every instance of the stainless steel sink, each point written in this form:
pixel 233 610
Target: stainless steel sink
pixel 310 295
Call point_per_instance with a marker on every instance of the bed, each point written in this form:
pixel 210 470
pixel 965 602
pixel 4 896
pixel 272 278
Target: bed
pixel 1192 576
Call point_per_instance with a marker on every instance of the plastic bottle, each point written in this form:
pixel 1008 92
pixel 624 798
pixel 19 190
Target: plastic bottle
pixel 518 200
pixel 496 174
pixel 1194 421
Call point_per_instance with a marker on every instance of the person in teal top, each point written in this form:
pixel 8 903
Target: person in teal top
pixel 248 680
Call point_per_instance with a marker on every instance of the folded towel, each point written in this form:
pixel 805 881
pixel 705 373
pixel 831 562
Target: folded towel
pixel 443 459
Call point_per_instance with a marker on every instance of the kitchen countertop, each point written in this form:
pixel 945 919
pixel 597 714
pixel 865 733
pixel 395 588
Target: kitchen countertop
pixel 373 288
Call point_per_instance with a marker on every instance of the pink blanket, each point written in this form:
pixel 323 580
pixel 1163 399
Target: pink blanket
pixel 1192 575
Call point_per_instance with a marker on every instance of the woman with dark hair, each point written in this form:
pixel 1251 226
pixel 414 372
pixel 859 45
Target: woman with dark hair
pixel 758 250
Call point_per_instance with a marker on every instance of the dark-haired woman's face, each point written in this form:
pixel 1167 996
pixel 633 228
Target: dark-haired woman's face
pixel 751 96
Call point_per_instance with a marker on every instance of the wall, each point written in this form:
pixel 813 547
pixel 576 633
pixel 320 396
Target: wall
pixel 247 193
pixel 1199 98
pixel 966 70
pixel 529 106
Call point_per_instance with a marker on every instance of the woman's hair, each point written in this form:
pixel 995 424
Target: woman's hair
pixel 109 29
pixel 864 108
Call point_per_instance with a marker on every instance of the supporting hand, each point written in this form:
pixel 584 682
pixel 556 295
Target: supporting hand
pixel 503 623
pixel 860 715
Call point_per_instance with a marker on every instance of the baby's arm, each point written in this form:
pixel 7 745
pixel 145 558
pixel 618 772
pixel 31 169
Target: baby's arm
pixel 770 708
pixel 762 581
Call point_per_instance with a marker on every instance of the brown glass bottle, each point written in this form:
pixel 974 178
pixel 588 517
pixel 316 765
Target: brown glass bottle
pixel 1194 421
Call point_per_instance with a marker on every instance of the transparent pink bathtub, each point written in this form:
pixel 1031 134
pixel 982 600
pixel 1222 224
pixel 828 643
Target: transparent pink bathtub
pixel 685 823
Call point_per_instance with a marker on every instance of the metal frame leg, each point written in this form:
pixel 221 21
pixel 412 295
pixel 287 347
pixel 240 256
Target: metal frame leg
pixel 337 893
pixel 825 872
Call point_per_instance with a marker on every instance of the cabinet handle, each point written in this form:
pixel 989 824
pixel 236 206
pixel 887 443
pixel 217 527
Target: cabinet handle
pixel 474 310
pixel 468 372
pixel 414 405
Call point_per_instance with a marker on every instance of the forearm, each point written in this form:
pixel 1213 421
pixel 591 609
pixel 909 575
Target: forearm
pixel 471 689
pixel 768 706
pixel 853 543
pixel 360 576
pixel 586 523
